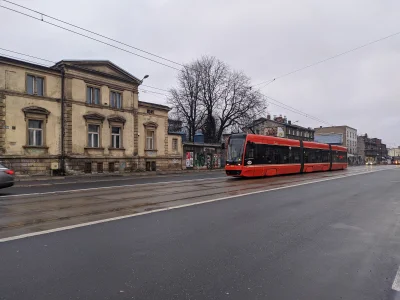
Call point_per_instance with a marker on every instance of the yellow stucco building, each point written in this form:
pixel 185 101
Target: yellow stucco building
pixel 80 116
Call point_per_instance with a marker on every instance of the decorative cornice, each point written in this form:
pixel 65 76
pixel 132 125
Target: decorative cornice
pixel 116 118
pixel 94 116
pixel 150 124
pixel 35 110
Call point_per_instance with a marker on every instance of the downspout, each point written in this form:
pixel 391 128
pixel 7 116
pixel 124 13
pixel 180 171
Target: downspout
pixel 62 167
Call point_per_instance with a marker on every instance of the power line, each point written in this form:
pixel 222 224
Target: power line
pixel 95 33
pixel 152 87
pixel 53 62
pixel 147 91
pixel 22 59
pixel 292 109
pixel 330 58
pixel 27 55
pixel 281 104
pixel 267 83
pixel 89 37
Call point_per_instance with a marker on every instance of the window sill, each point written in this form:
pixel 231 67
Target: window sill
pixel 94 105
pixel 115 108
pixel 121 149
pixel 94 148
pixel 35 147
pixel 35 95
pixel 150 149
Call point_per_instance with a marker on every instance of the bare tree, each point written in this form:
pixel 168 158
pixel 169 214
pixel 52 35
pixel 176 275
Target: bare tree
pixel 185 100
pixel 213 75
pixel 212 97
pixel 239 104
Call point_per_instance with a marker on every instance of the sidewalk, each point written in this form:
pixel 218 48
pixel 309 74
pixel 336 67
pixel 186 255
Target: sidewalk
pixel 19 178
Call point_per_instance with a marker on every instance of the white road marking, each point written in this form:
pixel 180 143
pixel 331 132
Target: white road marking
pixel 396 282
pixel 133 185
pixel 22 236
pixel 109 187
pixel 116 178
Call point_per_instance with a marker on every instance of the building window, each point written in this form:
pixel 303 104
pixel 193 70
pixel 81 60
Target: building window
pixel 100 167
pixel 151 166
pixel 149 140
pixel 34 85
pixel 93 136
pixel 92 95
pixel 35 131
pixel 88 167
pixel 150 112
pixel 115 100
pixel 257 131
pixel 116 137
pixel 175 144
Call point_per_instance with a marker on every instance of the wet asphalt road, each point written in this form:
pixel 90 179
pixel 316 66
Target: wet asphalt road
pixel 71 183
pixel 337 239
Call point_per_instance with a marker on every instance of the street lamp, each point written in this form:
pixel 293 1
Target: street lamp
pixel 145 76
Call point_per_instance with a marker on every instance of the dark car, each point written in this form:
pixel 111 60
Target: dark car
pixel 6 177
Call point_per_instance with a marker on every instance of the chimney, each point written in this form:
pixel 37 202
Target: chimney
pixel 268 117
pixel 290 122
pixel 320 126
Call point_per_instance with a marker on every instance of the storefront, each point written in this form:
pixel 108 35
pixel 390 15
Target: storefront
pixel 203 156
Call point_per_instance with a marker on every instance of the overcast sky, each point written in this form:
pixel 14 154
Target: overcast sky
pixel 263 38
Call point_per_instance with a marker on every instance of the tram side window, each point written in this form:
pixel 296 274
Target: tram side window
pixel 335 157
pixel 250 149
pixel 342 156
pixel 271 154
pixel 294 155
pixel 309 155
pixel 316 156
pixel 284 154
pixel 339 156
pixel 325 156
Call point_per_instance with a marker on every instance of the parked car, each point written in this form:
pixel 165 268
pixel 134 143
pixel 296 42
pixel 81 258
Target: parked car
pixel 6 177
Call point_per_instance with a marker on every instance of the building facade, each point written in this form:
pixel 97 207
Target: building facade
pixel 394 152
pixel 280 127
pixel 348 133
pixel 372 149
pixel 80 116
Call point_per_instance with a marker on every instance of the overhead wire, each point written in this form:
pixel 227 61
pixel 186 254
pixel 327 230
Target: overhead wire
pixel 156 88
pixel 31 56
pixel 81 28
pixel 160 57
pixel 92 32
pixel 272 101
pixel 89 37
pixel 330 58
pixel 23 59
pixel 147 91
pixel 53 62
pixel 280 104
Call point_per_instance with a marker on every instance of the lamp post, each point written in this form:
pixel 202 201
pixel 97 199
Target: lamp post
pixel 145 76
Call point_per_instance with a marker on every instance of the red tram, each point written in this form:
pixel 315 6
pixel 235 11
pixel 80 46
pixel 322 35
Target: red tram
pixel 251 155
